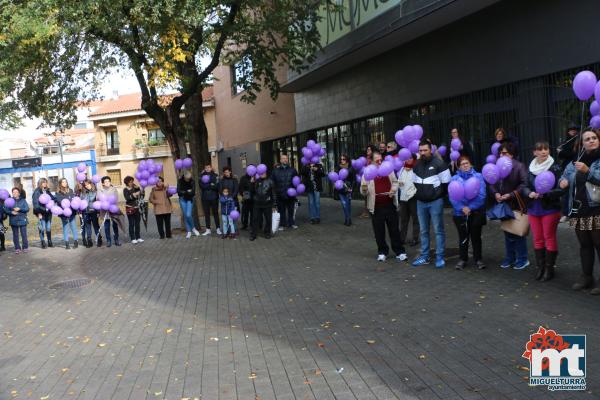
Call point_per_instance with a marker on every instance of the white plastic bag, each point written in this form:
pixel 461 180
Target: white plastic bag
pixel 275 222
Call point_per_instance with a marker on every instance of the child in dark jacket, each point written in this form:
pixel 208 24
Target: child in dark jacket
pixel 227 206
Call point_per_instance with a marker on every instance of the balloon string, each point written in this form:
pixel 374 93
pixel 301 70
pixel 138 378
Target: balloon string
pixel 581 149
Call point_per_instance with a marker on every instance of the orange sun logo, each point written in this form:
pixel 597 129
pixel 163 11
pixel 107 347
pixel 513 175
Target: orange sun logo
pixel 544 339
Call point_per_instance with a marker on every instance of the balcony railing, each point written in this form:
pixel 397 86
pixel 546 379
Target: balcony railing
pixel 113 150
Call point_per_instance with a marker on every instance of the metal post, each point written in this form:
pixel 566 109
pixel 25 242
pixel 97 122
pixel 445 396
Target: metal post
pixel 62 165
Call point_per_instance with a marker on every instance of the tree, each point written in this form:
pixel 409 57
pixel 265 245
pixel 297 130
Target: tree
pixel 55 53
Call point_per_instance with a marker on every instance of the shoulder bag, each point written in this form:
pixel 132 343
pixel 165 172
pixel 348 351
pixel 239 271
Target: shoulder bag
pixel 520 224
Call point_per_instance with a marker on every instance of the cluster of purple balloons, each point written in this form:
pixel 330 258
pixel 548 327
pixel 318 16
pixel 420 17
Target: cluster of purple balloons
pixel 544 182
pixel 106 203
pixel 493 172
pixel 458 191
pixel 66 207
pixel 256 171
pixel 312 153
pixel 185 163
pixel 147 172
pixel 455 146
pixel 298 188
pixel 81 169
pixel 409 137
pixel 338 178
pixel 585 85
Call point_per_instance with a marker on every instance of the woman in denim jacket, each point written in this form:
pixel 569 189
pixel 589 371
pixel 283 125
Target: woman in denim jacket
pixel 582 178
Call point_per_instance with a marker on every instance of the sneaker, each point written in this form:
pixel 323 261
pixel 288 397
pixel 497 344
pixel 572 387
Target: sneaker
pixel 506 264
pixel 563 218
pixel 294 226
pixel 140 240
pixel 17 251
pixel 196 232
pixel 188 235
pixel 134 241
pixel 206 232
pixel 381 257
pixel 521 265
pixel 402 257
pixel 439 262
pixel 219 231
pixel 480 264
pixel 280 228
pixel 421 260
pixel 461 265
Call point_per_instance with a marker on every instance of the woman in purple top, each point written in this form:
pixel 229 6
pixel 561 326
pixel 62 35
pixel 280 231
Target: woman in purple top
pixel 543 211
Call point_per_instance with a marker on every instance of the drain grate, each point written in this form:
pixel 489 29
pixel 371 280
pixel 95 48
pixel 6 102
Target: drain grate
pixel 71 284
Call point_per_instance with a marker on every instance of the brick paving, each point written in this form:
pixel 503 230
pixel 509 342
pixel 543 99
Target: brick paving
pixel 308 314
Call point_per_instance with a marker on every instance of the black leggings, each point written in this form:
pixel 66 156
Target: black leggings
pixel 589 241
pixel 469 229
pixel 134 225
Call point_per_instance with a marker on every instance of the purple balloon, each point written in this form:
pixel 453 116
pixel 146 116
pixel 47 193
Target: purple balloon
pixel 178 164
pixel 544 182
pixel 304 161
pixel 114 209
pixel 343 173
pixel 67 212
pixel 75 203
pixel 307 153
pixel 456 191
pixel 490 173
pixel 44 198
pixel 504 165
pixel 143 183
pixel 399 137
pixel 291 192
pixel 81 167
pixel 101 196
pixel 158 168
pixel 153 180
pixel 584 85
pixel 251 170
pixel 597 91
pixel 56 210
pixel 316 149
pixel 363 161
pixel 595 107
pixel 296 181
pixel 418 132
pixel 454 155
pixel 404 154
pixel 389 157
pixel 112 199
pixel 398 164
pixel 455 144
pixel 4 194
pixel 261 169
pixel 50 204
pixel 433 149
pixel 358 178
pixel 138 175
pixel 96 179
pixel 315 159
pixel 370 172
pixel 83 205
pixel 144 175
pixel 142 166
pixel 339 185
pixel 409 134
pixel 491 159
pixel 81 177
pixel 187 162
pixel 595 122
pixel 171 190
pixel 105 205
pixel 97 205
pixel 322 152
pixel 472 186
pixel 333 176
pixel 300 188
pixel 310 143
pixel 9 203
pixel 442 150
pixel 495 147
pixel 386 168
pixel 151 168
pixel 235 214
pixel 414 146
pixel 65 203
pixel 205 179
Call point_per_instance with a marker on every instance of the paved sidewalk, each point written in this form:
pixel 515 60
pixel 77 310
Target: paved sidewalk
pixel 308 314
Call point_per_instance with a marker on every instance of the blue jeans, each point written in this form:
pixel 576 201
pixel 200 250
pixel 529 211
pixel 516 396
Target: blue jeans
pixel 346 200
pixel 227 224
pixel 44 225
pixel 314 205
pixel 16 230
pixel 69 223
pixel 515 249
pixel 90 219
pixel 186 210
pixel 432 211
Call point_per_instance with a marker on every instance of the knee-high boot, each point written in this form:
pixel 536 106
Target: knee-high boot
pixel 540 261
pixel 550 262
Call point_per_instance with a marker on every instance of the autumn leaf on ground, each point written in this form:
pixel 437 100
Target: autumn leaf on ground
pixel 252 375
pixel 101 344
pixel 321 344
pixel 522 368
pixel 168 330
pixel 64 370
pixel 370 341
pixel 422 357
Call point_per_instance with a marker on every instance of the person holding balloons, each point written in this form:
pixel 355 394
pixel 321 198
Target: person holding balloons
pixel 64 195
pixel 543 210
pixel 108 197
pixel 508 189
pixel 467 192
pixel 244 189
pixel 42 212
pixel 312 177
pixel 209 184
pixel 17 208
pixel 408 202
pixel 282 178
pixel 227 212
pixel 263 196
pixel 132 194
pixel 343 191
pixel 459 147
pixel 186 190
pixel 90 215
pixel 582 179
pixel 160 200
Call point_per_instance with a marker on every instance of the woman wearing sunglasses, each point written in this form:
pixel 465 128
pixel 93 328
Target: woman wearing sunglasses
pixel 582 179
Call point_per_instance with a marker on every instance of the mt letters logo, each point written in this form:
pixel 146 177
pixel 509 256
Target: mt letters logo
pixel 556 361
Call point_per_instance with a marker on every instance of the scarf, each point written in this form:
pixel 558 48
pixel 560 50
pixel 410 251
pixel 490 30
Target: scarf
pixel 537 169
pixel 589 157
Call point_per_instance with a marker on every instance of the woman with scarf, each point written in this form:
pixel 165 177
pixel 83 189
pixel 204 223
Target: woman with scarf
pixel 543 211
pixel 469 215
pixel 582 178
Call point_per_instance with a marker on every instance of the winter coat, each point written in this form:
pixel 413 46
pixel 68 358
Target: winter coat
pixel 407 189
pixel 210 190
pixel 39 208
pixel 514 182
pixel 476 203
pixel 550 200
pixel 262 192
pixel 282 180
pixel 431 178
pixel 227 204
pixel 186 190
pixel 313 180
pixel 60 197
pixel 130 200
pixel 230 183
pixel 593 177
pixel 21 218
pixel 244 187
pixel 367 188
pixel 159 198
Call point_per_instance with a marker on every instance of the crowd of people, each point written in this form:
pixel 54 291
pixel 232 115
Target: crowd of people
pixel 411 199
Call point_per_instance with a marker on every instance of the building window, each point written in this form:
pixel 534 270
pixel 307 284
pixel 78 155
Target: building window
pixel 114 175
pixel 112 142
pixel 80 125
pixel 53 183
pixel 50 150
pixel 156 137
pixel 241 75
